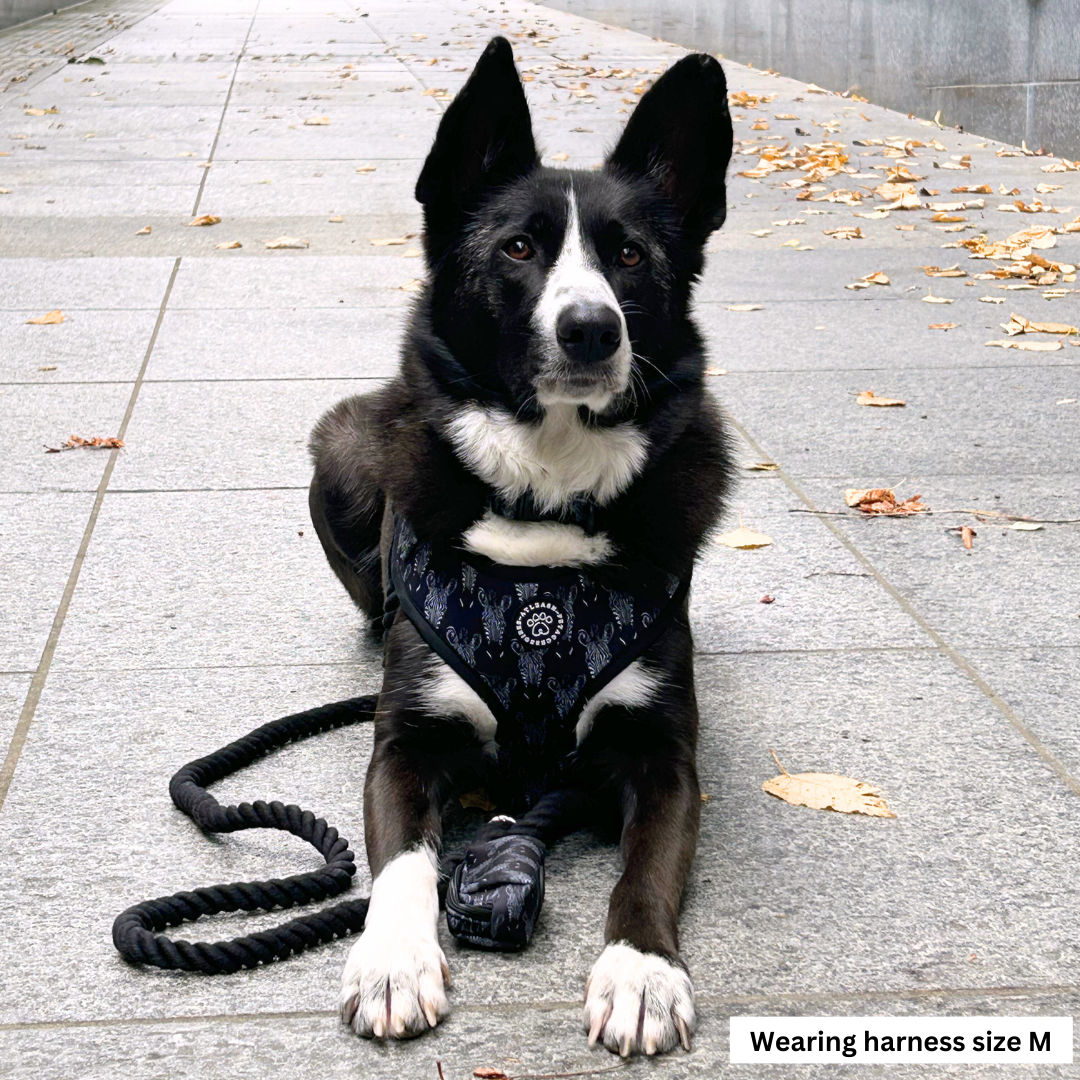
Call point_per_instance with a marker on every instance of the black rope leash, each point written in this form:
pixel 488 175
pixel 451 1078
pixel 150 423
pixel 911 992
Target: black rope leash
pixel 496 886
pixel 137 931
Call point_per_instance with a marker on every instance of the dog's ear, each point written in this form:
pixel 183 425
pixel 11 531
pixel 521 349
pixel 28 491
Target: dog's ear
pixel 680 135
pixel 485 138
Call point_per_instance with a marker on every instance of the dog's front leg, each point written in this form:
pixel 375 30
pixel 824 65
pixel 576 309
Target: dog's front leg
pixel 639 998
pixel 394 983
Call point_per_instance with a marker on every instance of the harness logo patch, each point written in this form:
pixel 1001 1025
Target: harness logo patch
pixel 540 623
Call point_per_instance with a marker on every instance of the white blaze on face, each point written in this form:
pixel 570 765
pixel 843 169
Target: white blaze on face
pixel 577 279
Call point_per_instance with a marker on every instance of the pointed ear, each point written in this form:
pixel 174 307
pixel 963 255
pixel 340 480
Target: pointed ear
pixel 680 135
pixel 484 139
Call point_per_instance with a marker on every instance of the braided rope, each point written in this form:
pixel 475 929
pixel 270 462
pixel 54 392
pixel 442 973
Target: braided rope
pixel 137 931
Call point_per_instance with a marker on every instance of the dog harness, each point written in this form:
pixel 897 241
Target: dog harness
pixel 536 643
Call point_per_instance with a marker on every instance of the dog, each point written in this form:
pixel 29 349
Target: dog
pixel 533 488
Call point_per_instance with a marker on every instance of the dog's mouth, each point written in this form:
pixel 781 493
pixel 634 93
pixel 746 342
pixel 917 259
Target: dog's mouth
pixel 595 391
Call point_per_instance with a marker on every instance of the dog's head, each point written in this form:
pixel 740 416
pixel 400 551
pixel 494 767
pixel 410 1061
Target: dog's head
pixel 558 285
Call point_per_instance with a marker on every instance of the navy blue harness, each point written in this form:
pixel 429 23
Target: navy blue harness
pixel 536 643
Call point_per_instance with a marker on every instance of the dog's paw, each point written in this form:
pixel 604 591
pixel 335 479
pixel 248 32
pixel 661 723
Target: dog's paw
pixel 638 1002
pixel 394 984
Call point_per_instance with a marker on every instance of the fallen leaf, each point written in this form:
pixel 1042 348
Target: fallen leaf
pixel 40 112
pixel 744 539
pixel 229 245
pixel 991 299
pixel 411 253
pixel 873 215
pixel 1028 346
pixel 827 791
pixel 95 443
pixel 942 326
pixel 337 219
pixel 791 243
pixel 47 367
pixel 946 271
pixel 560 156
pixel 1017 324
pixel 5 191
pixel 790 221
pixel 867 397
pixel 205 219
pixel 973 189
pixel 366 168
pixel 412 285
pixel 762 232
pixel 1046 189
pixel 286 242
pixel 967 534
pixel 811 88
pixel 1066 401
pixel 1025 526
pixel 929 298
pixel 762 466
pixel 392 241
pixel 845 232
pixel 876 278
pixel 144 231
pixel 882 501
pixel 767 599
pixel 784 116
pixel 487 1072
pixel 744 307
pixel 317 121
pixel 476 800
pixel 50 318
pixel 716 371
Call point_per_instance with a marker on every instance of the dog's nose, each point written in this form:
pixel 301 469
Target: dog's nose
pixel 588 333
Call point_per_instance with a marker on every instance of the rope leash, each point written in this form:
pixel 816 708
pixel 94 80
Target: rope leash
pixel 496 885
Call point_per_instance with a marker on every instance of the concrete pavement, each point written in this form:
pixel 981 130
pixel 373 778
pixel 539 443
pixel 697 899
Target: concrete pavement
pixel 164 598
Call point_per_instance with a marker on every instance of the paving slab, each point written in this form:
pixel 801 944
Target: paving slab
pixel 204 605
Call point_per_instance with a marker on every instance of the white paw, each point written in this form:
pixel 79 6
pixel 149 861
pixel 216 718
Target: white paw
pixel 395 980
pixel 394 984
pixel 638 1002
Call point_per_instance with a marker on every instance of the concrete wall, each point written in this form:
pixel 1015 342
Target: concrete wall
pixel 17 11
pixel 1009 69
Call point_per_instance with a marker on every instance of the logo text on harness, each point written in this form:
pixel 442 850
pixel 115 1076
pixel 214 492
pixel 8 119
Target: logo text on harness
pixel 540 623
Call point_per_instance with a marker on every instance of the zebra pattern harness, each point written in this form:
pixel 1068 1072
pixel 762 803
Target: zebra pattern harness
pixel 536 643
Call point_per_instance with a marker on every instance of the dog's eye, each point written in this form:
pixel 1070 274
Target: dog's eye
pixel 630 255
pixel 519 248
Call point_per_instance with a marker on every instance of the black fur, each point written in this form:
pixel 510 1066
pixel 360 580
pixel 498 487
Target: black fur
pixel 471 340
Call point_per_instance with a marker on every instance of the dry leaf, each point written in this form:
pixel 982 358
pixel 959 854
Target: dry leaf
pixel 716 371
pixel 144 231
pixel 366 168
pixel 973 189
pixel 50 318
pixel 882 501
pixel 744 307
pixel 1046 189
pixel 967 534
pixel 762 466
pixel 991 299
pixel 942 326
pixel 929 298
pixel 317 121
pixel 826 791
pixel 1017 324
pixel 412 285
pixel 52 367
pixel 229 245
pixel 205 219
pixel 1028 346
pixel 744 539
pixel 1025 526
pixel 560 156
pixel 286 242
pixel 791 243
pixel 845 232
pixel 873 215
pixel 337 219
pixel 392 241
pixel 762 232
pixel 867 397
pixel 946 271
pixel 94 443
pixel 476 800
pixel 486 1072
pixel 784 116
pixel 790 221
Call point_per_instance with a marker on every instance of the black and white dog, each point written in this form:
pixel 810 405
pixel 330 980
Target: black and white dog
pixel 548 461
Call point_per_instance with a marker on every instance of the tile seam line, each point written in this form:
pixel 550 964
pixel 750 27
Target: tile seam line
pixel 960 661
pixel 225 109
pixel 41 673
pixel 713 1001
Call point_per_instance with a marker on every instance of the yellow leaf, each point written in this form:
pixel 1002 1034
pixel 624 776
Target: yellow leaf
pixel 560 156
pixel 827 791
pixel 337 219
pixel 745 307
pixel 144 231
pixel 744 539
pixel 1029 346
pixel 366 168
pixel 317 121
pixel 50 318
pixel 412 285
pixel 1025 526
pixel 205 219
pixel 229 245
pixel 868 397
pixel 946 271
pixel 762 466
pixel 991 299
pixel 929 298
pixel 791 243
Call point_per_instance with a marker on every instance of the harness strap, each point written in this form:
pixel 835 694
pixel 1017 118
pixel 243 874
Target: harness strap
pixel 137 931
